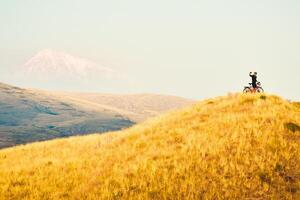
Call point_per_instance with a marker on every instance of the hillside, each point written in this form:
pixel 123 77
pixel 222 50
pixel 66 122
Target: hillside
pixel 28 115
pixel 233 147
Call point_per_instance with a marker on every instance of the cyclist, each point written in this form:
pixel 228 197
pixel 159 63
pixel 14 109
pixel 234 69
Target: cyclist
pixel 254 79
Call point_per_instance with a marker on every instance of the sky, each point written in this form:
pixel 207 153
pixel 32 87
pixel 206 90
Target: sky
pixel 192 48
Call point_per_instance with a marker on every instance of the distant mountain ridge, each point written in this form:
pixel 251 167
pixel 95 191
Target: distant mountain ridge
pixel 137 107
pixel 28 115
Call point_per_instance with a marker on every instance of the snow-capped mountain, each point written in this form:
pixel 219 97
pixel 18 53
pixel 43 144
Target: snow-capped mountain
pixel 56 63
pixel 58 70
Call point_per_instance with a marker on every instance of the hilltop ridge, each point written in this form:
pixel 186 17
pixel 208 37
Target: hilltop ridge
pixel 232 147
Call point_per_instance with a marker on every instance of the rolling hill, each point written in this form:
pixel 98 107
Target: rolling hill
pixel 28 115
pixel 232 147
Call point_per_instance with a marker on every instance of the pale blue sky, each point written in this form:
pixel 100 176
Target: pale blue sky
pixel 189 48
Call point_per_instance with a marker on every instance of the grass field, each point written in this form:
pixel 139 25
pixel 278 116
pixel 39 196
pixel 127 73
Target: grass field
pixel 232 147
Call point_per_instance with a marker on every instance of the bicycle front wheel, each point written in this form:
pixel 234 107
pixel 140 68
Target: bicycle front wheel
pixel 247 90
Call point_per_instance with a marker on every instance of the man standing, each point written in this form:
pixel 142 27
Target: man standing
pixel 254 79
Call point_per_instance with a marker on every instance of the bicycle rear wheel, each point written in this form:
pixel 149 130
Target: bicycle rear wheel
pixel 259 90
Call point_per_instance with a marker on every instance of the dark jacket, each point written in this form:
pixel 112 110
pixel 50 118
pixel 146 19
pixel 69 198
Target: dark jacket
pixel 254 79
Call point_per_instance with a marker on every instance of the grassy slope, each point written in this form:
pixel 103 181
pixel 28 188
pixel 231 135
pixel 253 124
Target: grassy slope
pixel 229 147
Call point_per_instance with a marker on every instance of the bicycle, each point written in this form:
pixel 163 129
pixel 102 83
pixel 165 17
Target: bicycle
pixel 251 89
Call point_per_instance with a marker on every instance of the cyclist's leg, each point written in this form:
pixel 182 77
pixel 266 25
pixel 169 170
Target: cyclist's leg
pixel 254 86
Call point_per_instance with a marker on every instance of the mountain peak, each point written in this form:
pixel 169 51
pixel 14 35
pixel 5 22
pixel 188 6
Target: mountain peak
pixel 51 53
pixel 47 51
pixel 52 69
pixel 55 62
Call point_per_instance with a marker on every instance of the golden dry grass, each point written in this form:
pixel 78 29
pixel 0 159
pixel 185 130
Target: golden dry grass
pixel 233 147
